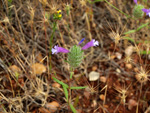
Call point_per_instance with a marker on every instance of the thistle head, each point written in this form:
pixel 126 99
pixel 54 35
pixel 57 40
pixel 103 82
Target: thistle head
pixel 137 11
pixel 75 56
pixel 142 76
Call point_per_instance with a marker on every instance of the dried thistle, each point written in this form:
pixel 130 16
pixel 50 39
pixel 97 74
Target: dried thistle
pixel 128 59
pixel 83 2
pixel 122 95
pixel 115 36
pixel 142 75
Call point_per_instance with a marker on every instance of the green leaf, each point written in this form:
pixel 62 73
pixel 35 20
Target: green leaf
pixel 80 87
pixel 66 61
pixel 95 1
pixel 72 108
pixel 17 75
pixel 145 52
pixel 66 92
pixel 143 25
pixel 130 39
pixel 60 82
pixel 129 32
pixel 76 101
pixel 139 28
pixel 10 1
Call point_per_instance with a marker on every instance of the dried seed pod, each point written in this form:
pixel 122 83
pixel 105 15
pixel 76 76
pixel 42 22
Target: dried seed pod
pixel 142 76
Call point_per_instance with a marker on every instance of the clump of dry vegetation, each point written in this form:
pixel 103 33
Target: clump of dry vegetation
pixel 116 72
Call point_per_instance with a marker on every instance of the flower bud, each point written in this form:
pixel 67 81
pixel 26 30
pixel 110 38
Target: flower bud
pixel 75 56
pixel 137 11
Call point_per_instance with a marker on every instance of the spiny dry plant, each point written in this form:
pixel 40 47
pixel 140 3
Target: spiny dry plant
pixel 29 30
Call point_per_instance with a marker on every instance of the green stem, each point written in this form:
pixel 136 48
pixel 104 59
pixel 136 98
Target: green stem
pixel 50 43
pixel 117 9
pixel 71 73
pixel 52 36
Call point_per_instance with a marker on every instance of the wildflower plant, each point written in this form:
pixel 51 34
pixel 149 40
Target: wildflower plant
pixel 75 57
pixel 75 54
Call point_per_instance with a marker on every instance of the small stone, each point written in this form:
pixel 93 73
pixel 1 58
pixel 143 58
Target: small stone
pixel 38 68
pixel 131 104
pixel 129 66
pixel 94 68
pixel 93 76
pixel 136 69
pixel 118 55
pixel 94 103
pixel 56 85
pixel 15 69
pixel 102 97
pixel 52 106
pixel 129 50
pixel 103 79
pixel 118 70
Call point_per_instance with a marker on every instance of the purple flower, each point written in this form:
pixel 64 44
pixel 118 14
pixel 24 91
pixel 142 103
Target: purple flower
pixel 147 11
pixel 57 49
pixel 81 41
pixel 90 44
pixel 135 1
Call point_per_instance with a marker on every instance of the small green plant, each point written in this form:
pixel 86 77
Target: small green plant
pixel 75 57
pixel 68 7
pixel 67 89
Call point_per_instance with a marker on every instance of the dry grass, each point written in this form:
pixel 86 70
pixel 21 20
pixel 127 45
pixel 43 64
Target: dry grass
pixel 25 31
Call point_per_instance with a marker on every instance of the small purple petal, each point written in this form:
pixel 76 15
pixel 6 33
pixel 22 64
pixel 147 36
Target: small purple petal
pixel 147 11
pixel 81 41
pixel 90 44
pixel 135 1
pixel 63 50
pixel 57 49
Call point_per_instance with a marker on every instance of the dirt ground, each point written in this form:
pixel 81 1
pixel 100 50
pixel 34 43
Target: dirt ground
pixel 29 30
